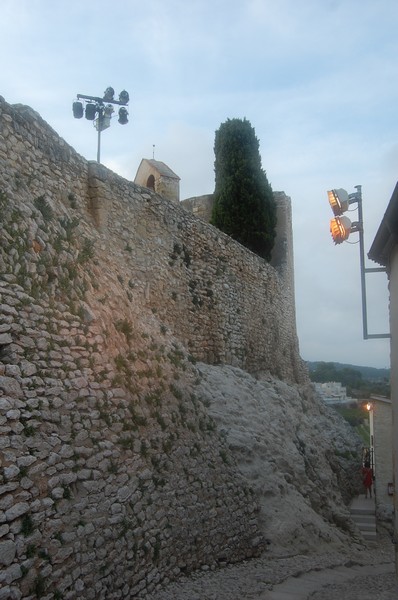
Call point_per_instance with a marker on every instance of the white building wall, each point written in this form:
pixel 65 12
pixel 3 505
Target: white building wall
pixel 382 441
pixel 394 375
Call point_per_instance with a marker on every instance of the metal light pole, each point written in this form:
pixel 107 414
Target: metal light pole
pixel 366 335
pixel 100 111
pixel 99 128
pixel 370 409
pixel 340 228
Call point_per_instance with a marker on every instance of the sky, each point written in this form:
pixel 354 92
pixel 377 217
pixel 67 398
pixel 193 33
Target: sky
pixel 318 81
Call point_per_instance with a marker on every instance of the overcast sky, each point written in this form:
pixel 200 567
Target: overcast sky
pixel 317 79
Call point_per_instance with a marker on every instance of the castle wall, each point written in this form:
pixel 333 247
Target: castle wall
pixel 113 477
pixel 222 301
pixel 282 258
pixel 200 206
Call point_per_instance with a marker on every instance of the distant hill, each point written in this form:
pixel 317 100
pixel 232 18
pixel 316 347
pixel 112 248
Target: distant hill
pixel 368 373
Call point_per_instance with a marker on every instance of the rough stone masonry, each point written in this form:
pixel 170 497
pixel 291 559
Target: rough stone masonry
pixel 116 475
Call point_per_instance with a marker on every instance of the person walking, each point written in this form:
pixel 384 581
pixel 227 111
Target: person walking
pixel 367 479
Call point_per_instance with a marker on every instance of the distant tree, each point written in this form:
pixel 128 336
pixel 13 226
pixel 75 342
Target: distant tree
pixel 351 378
pixel 244 205
pixel 324 372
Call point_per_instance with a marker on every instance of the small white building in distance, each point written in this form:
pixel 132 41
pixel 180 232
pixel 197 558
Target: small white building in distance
pixel 332 392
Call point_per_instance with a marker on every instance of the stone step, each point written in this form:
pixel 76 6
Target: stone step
pixel 363 514
pixel 362 511
pixel 370 536
pixel 363 518
pixel 365 526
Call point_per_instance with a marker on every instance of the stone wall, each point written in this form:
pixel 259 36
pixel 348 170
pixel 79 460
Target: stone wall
pixel 113 475
pixel 282 260
pixel 223 302
pixel 200 206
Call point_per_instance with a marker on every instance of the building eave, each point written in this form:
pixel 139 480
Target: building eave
pixel 381 399
pixel 387 235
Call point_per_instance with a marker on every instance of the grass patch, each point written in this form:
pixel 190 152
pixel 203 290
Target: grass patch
pixel 42 206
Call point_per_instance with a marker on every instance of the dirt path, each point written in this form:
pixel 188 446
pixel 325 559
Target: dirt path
pixel 268 578
pixel 373 587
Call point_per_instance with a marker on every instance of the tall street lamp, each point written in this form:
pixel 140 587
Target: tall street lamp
pixel 100 110
pixel 370 409
pixel 340 228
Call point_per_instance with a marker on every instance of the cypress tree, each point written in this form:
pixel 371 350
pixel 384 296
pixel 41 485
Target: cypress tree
pixel 244 205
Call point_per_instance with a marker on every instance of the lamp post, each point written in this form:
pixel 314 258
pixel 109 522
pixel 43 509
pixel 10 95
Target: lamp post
pixel 100 111
pixel 340 229
pixel 370 409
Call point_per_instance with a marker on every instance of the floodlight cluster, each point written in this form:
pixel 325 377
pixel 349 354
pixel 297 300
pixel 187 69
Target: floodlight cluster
pixel 95 109
pixel 100 110
pixel 341 226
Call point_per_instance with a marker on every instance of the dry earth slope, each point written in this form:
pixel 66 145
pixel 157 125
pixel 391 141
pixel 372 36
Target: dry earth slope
pixel 298 455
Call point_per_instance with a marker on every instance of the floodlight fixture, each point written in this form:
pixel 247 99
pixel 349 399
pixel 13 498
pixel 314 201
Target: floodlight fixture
pixel 96 110
pixel 124 97
pixel 91 111
pixel 340 229
pixel 123 116
pixel 77 108
pixel 338 200
pixel 109 94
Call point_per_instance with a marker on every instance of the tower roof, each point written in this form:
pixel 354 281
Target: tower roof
pixel 161 167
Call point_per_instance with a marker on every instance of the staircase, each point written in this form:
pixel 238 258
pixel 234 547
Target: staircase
pixel 363 513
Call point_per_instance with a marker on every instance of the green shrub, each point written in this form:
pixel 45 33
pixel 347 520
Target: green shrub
pixel 244 205
pixel 44 208
pixel 27 526
pixel 86 252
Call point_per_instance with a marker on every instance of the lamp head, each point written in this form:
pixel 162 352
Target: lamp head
pixel 123 116
pixel 339 201
pixel 77 108
pixel 340 228
pixel 91 110
pixel 124 97
pixel 108 94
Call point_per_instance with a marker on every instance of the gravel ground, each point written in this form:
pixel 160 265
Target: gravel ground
pixel 381 587
pixel 251 579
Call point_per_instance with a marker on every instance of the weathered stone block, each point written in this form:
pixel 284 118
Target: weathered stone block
pixel 7 552
pixel 5 338
pixel 16 511
pixel 10 387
